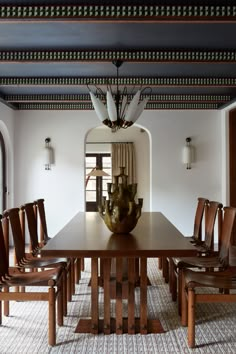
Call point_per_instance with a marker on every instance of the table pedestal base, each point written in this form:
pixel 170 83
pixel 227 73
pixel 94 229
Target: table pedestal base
pixel 85 326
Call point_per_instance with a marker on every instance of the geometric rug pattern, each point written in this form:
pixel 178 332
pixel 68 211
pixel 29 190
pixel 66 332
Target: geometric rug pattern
pixel 26 329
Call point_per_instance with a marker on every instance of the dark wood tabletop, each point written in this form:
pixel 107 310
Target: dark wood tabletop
pixel 86 235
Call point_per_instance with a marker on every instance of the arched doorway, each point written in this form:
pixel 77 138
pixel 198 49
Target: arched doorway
pixel 3 188
pixel 99 140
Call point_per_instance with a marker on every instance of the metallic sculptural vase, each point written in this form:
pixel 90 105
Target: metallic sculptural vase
pixel 120 212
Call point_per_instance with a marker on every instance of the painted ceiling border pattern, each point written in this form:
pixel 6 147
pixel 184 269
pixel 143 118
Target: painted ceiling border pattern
pixel 86 98
pixel 88 106
pixel 127 81
pixel 179 55
pixel 122 12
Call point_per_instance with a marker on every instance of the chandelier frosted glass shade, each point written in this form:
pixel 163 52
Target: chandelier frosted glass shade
pixel 118 112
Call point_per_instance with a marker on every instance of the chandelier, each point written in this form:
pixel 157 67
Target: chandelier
pixel 118 112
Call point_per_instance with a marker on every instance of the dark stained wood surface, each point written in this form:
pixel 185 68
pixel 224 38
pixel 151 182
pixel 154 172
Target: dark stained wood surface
pixel 86 235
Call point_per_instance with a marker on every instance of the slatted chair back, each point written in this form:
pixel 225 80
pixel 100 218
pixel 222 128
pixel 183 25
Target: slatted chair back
pixel 212 210
pixel 197 230
pixel 42 217
pixel 28 208
pixel 228 222
pixel 225 280
pixel 13 216
pixel 4 264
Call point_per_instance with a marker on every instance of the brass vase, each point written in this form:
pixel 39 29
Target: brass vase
pixel 120 212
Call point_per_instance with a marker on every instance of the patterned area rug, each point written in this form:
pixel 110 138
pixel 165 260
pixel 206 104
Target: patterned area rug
pixel 25 330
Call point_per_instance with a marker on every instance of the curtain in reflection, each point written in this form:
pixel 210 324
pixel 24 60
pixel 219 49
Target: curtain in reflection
pixel 123 155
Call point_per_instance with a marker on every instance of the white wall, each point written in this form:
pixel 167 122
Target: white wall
pixel 173 189
pixel 7 130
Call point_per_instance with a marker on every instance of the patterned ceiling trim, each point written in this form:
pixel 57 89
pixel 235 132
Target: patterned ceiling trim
pixel 86 98
pixel 177 55
pixel 126 12
pixel 127 81
pixel 88 106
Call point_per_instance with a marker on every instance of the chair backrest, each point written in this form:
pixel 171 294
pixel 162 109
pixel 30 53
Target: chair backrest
pixel 3 254
pixel 43 224
pixel 197 230
pixel 212 210
pixel 32 225
pixel 14 218
pixel 227 227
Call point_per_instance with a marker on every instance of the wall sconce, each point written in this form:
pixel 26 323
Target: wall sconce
pixel 188 154
pixel 48 157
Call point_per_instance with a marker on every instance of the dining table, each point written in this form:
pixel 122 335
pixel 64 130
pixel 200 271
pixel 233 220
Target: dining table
pixel 87 236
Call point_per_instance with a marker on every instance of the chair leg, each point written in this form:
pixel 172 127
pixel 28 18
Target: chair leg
pixel 6 304
pixel 0 312
pixel 60 304
pixel 77 270
pixel 69 290
pixel 82 264
pixel 165 269
pixel 73 260
pixel 179 289
pixel 166 266
pixel 191 318
pixel 160 263
pixel 184 305
pixel 173 280
pixel 51 317
pixel 64 290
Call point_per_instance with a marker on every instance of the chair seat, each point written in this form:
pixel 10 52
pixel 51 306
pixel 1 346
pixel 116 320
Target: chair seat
pixel 200 262
pixel 46 278
pixel 218 280
pixel 42 262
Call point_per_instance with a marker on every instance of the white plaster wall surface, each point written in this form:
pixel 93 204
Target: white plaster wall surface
pixel 7 118
pixel 173 189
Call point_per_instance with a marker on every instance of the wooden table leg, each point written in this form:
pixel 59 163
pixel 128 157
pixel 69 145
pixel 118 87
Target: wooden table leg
pixel 131 297
pixel 119 325
pixel 107 305
pixel 143 295
pixel 94 296
pixel 119 319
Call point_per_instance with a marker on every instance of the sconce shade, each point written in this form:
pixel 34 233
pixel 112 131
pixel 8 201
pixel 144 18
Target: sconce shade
pixel 187 155
pixel 48 155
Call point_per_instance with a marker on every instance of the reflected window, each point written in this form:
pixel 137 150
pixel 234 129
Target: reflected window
pixel 96 187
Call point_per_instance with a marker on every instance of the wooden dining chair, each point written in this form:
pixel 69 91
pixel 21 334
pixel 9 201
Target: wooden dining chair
pixel 225 279
pixel 78 262
pixel 204 247
pixel 196 238
pixel 28 209
pixel 53 279
pixel 26 261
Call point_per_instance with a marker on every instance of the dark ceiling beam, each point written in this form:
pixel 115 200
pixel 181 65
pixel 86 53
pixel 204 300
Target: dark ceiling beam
pixel 127 81
pixel 142 56
pixel 120 13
